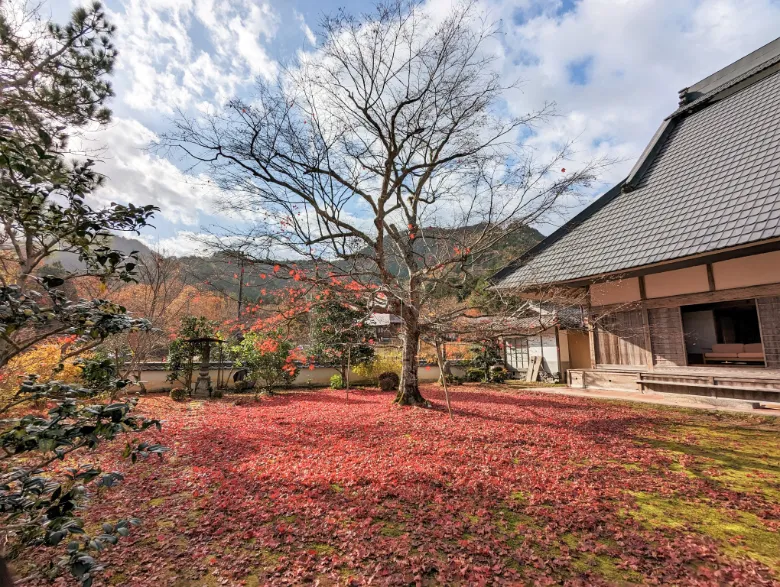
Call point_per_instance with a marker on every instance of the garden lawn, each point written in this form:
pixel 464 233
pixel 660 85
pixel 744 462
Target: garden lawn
pixel 521 488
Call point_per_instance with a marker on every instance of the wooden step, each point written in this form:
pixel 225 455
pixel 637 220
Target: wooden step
pixel 706 385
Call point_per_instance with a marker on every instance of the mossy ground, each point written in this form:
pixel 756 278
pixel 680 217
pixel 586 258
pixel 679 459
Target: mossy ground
pixel 738 533
pixel 732 455
pixel 548 490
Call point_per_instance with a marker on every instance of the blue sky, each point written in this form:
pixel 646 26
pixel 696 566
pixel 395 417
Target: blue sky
pixel 612 67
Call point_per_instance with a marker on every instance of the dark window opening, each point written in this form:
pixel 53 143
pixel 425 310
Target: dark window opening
pixel 723 333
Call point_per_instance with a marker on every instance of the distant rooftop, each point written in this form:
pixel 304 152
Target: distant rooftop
pixel 709 180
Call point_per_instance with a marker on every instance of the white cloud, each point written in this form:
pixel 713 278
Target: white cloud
pixel 196 54
pixel 138 176
pixel 162 67
pixel 305 28
pixel 640 53
pixel 184 244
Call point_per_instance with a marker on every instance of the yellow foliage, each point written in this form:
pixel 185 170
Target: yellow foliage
pixel 43 360
pixel 459 351
pixel 385 360
pixel 452 351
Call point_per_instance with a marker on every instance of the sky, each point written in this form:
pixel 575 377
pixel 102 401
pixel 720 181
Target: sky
pixel 612 67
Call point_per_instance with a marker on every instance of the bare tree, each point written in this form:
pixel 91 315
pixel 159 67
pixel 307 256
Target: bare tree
pixel 382 159
pixel 157 297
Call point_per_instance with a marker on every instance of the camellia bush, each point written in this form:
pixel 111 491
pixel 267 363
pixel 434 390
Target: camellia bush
pixel 40 501
pixel 53 81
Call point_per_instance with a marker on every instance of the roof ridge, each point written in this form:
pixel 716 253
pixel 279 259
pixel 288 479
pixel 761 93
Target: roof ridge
pixel 703 100
pixel 724 90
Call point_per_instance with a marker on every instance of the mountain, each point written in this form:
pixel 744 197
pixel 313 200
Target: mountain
pixel 221 273
pixel 70 261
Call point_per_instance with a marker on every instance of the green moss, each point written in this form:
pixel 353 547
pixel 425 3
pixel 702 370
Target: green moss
pixel 337 488
pixel 513 526
pixel 746 460
pixel 474 519
pixel 156 502
pixel 570 540
pixel 606 567
pixel 738 533
pixel 519 497
pixel 392 530
pixel 193 517
pixel 321 548
pixel 268 556
pixel 511 520
pixel 251 581
pixel 181 542
pixel 118 579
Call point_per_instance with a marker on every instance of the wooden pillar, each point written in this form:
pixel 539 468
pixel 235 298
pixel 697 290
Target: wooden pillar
pixel 769 324
pixel 648 338
pixel 593 342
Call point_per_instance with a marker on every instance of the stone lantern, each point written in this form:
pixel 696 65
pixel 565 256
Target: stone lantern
pixel 203 387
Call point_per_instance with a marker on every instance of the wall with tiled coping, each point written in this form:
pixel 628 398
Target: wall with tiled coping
pixel 155 379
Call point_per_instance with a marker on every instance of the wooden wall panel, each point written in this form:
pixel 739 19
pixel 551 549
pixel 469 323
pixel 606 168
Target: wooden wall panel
pixel 666 337
pixel 769 317
pixel 620 339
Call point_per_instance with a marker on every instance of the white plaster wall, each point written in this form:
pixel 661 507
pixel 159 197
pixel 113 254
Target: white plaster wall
pixel 317 377
pixel 678 282
pixel 746 271
pixel 615 292
pixel 544 345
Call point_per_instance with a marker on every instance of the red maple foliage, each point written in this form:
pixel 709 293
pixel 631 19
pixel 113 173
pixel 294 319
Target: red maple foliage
pixel 306 488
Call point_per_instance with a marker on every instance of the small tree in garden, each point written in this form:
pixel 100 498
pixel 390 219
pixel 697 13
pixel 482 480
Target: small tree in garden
pixel 181 354
pixel 340 335
pixel 52 79
pixel 485 355
pixel 269 359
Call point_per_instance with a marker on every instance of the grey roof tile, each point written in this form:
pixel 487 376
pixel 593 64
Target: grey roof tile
pixel 714 183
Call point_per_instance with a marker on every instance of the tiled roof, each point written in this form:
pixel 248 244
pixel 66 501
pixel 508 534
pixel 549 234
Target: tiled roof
pixel 715 183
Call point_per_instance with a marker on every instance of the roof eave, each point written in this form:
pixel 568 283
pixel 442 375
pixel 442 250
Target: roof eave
pixel 594 207
pixel 708 257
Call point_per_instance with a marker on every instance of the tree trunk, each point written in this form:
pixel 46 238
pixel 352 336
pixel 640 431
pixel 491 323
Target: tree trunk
pixel 409 388
pixel 346 372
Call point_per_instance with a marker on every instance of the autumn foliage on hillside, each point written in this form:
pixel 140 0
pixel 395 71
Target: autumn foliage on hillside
pixel 520 489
